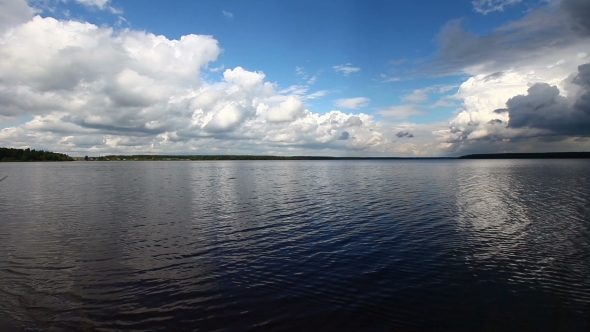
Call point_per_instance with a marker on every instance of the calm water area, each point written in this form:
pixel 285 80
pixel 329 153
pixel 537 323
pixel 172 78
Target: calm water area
pixel 368 245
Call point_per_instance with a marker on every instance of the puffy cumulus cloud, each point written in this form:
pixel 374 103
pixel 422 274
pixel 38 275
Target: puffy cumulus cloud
pixel 97 78
pixel 415 139
pixel 544 108
pixel 242 77
pixel 550 111
pixel 524 96
pixel 326 131
pixel 289 110
pixel 14 12
pixel 94 90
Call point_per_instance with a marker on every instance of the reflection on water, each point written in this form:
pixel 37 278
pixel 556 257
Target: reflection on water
pixel 295 245
pixel 527 223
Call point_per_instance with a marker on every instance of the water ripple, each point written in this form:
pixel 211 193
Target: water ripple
pixel 302 245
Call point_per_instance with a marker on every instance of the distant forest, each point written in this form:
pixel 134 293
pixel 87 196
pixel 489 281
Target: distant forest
pixel 8 154
pixel 547 155
pixel 237 157
pixel 204 157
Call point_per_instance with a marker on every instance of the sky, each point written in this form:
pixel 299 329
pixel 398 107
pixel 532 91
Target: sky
pixel 331 78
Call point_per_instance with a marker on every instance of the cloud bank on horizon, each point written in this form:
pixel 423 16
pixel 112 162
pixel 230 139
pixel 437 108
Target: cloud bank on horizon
pixel 79 77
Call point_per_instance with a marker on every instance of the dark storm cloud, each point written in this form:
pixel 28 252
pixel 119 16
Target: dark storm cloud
pixel 139 130
pixel 544 108
pixel 404 134
pixel 541 115
pixel 579 14
pixel 583 77
pixel 353 121
pixel 539 31
pixel 344 136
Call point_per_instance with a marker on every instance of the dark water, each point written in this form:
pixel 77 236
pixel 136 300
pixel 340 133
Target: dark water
pixel 295 245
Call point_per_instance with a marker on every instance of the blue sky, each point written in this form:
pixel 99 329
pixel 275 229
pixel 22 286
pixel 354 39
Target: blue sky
pixel 410 66
pixel 391 38
pixel 388 38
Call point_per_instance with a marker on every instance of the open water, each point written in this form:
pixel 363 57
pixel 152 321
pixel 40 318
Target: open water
pixel 487 245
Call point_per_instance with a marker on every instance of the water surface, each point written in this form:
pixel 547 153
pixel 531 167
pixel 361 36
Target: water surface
pixel 295 245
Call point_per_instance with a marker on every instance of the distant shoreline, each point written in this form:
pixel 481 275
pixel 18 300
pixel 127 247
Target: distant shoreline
pixel 19 155
pixel 549 155
pixel 542 155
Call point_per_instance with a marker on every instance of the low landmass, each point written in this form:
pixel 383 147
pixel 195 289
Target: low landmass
pixel 545 155
pixel 549 155
pixel 239 157
pixel 9 154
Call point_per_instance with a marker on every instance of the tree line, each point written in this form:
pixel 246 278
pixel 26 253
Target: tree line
pixel 205 157
pixel 540 155
pixel 10 154
pixel 239 157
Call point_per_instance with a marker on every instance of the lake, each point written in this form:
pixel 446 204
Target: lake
pixel 488 245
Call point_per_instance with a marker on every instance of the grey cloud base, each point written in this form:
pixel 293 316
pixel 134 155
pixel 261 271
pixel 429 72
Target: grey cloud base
pixel 544 108
pixel 542 112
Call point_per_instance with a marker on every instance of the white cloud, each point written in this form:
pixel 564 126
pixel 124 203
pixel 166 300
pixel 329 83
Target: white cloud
pixel 94 3
pixel 217 69
pixel 300 71
pixel 489 6
pixel 14 12
pixel 316 95
pixel 443 88
pixel 101 5
pixel 227 116
pixel 421 95
pixel 385 78
pixel 417 96
pixel 297 90
pixel 227 15
pixel 542 33
pixel 477 124
pixel 346 69
pixel 313 79
pixel 352 103
pixel 401 111
pixel 289 110
pixel 243 77
pixel 552 43
pixel 446 101
pixel 94 91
